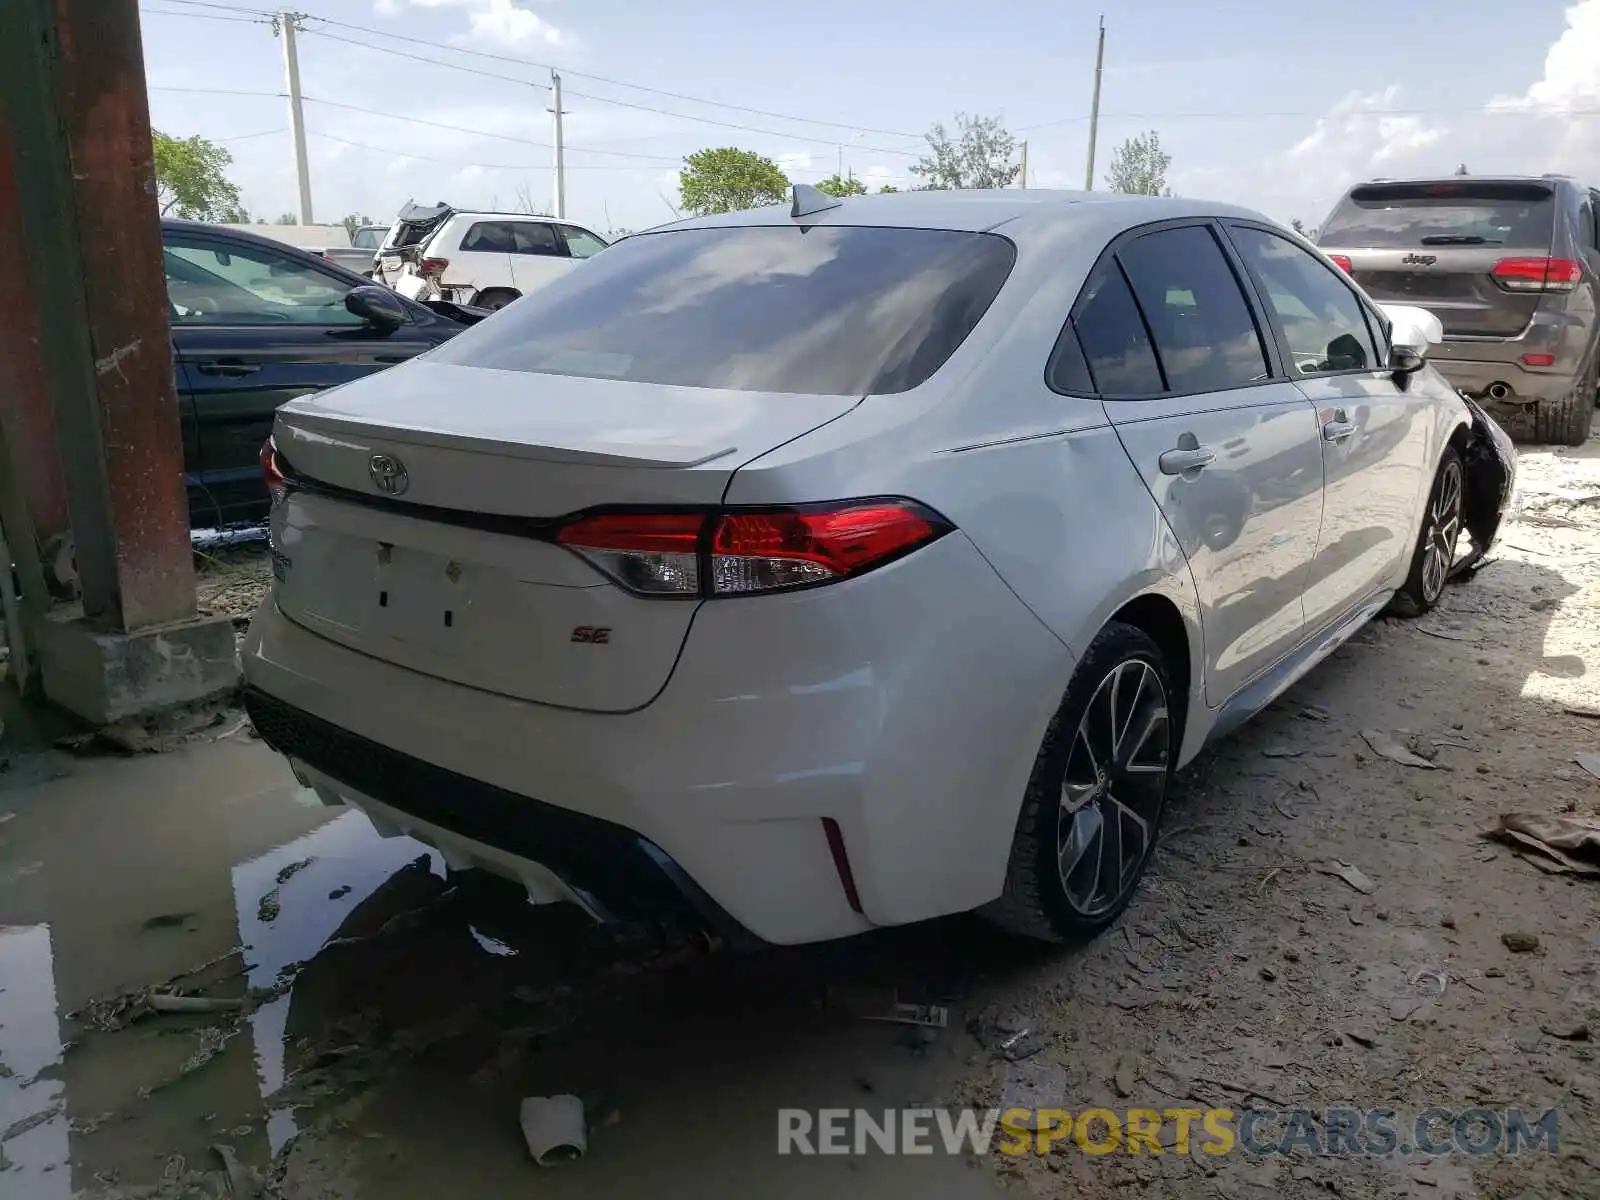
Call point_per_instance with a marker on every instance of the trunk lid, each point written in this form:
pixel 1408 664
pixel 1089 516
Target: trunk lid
pixel 453 574
pixel 1435 246
pixel 412 228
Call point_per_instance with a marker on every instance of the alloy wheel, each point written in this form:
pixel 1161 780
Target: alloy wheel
pixel 1112 791
pixel 1444 530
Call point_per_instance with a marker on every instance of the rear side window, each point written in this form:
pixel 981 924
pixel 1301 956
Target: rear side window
pixel 828 310
pixel 1383 215
pixel 1324 322
pixel 1204 335
pixel 580 242
pixel 490 237
pixel 1114 339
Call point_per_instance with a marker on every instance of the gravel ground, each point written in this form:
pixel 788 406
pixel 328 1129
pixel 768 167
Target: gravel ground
pixel 395 1024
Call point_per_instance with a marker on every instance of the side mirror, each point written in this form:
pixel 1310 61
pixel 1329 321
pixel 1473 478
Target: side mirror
pixel 1403 360
pixel 377 306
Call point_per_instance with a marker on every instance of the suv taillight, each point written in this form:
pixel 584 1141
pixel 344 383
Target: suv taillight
pixel 742 551
pixel 1342 261
pixel 433 268
pixel 277 485
pixel 1537 274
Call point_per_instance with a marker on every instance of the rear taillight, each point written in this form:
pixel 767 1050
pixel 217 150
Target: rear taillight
pixel 277 485
pixel 1537 274
pixel 1538 360
pixel 433 268
pixel 1342 261
pixel 736 552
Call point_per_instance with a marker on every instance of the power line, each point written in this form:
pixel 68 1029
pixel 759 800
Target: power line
pixel 1484 110
pixel 638 87
pixel 244 137
pixel 233 8
pixel 200 91
pixel 456 162
pixel 603 99
pixel 505 137
pixel 199 16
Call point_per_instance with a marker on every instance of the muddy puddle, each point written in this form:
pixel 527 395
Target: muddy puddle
pixel 376 1024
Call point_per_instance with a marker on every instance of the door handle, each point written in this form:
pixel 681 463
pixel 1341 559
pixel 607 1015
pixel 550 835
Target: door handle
pixel 1184 459
pixel 1337 430
pixel 226 366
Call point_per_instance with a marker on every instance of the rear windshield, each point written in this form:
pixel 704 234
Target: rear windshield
pixel 1442 214
pixel 828 310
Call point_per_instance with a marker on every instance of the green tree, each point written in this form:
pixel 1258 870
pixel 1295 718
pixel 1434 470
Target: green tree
pixel 191 180
pixel 980 156
pixel 355 221
pixel 1309 232
pixel 729 179
pixel 1139 167
pixel 286 219
pixel 888 187
pixel 850 186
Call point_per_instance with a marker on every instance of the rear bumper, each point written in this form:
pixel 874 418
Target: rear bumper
pixel 1475 367
pixel 906 707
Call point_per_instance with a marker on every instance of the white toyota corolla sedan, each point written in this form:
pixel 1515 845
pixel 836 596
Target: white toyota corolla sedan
pixel 843 564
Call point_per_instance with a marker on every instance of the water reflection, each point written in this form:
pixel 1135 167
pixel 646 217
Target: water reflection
pixel 34 1132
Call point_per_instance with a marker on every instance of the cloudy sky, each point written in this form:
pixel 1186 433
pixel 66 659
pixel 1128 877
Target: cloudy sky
pixel 1269 103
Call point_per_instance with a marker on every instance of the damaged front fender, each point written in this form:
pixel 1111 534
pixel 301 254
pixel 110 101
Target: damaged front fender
pixel 1490 460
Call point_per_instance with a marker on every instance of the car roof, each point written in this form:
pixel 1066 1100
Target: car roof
pixel 1017 209
pixel 1409 180
pixel 476 213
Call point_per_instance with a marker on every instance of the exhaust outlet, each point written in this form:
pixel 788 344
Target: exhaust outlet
pixel 1498 391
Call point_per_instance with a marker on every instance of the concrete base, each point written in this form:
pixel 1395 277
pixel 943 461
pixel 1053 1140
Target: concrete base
pixel 104 677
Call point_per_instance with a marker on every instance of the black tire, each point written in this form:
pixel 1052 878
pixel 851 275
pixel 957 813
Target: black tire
pixel 494 299
pixel 1567 422
pixel 1059 810
pixel 1439 535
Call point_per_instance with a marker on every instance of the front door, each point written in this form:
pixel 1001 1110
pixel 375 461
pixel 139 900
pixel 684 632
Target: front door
pixel 252 329
pixel 1375 438
pixel 1227 446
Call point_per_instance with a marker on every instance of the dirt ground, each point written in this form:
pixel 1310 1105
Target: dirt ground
pixel 391 1022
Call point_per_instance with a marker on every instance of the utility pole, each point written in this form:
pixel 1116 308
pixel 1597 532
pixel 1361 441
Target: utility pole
pixel 286 24
pixel 560 151
pixel 1024 174
pixel 1094 109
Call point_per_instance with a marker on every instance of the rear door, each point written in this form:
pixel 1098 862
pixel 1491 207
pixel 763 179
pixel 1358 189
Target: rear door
pixel 254 327
pixel 539 255
pixel 1463 249
pixel 483 259
pixel 1227 446
pixel 1375 437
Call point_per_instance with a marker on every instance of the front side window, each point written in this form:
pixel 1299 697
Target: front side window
pixel 830 310
pixel 1321 317
pixel 1204 334
pixel 213 284
pixel 535 237
pixel 580 242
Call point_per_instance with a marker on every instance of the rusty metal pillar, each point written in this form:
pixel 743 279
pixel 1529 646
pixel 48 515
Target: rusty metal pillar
pixel 72 78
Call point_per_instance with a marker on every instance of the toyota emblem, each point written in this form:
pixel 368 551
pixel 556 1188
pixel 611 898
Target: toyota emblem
pixel 388 474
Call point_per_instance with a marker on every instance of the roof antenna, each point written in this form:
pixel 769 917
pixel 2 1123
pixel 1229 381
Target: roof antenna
pixel 809 201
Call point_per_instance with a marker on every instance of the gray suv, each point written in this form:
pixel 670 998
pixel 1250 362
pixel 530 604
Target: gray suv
pixel 1511 268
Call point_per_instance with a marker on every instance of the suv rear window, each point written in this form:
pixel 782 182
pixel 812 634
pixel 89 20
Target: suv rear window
pixel 1442 214
pixel 831 310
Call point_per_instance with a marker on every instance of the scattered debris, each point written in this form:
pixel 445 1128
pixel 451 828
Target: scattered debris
pixel 1351 875
pixel 1362 1037
pixel 1125 1077
pixel 1269 973
pixel 935 1016
pixel 293 869
pixel 1519 941
pixel 170 1002
pixel 18 1128
pixel 243 1183
pixel 268 908
pixel 1405 1008
pixel 1385 746
pixel 874 1003
pixel 1571 1031
pixel 553 1127
pixel 1576 710
pixel 169 920
pixel 1022 1045
pixel 1314 712
pixel 1589 760
pixel 1446 634
pixel 1281 752
pixel 339 893
pixel 1570 841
